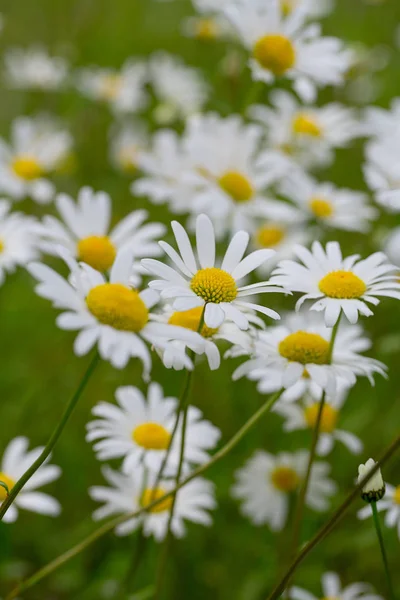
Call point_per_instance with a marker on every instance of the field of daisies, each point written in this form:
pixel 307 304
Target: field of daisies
pixel 199 300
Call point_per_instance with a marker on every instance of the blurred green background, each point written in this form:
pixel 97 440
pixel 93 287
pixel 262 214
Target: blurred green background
pixel 39 372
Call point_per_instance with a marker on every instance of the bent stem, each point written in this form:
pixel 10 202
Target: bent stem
pixel 110 525
pixel 378 528
pixel 15 490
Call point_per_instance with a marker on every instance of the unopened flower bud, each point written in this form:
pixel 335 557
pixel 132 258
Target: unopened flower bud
pixel 374 489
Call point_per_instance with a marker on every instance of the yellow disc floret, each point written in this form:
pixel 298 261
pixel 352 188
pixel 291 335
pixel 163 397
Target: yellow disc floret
pixel 27 167
pixel 285 479
pixel 151 436
pixel 321 207
pixel 118 306
pixel 305 348
pixel 269 236
pixel 9 483
pixel 1 246
pixel 126 159
pixel 343 285
pixel 237 186
pixel 287 6
pixel 150 495
pixel 98 251
pixel 275 52
pixel 214 285
pixel 190 319
pixel 396 495
pixel 329 417
pixel 306 124
pixel 205 29
pixel 110 86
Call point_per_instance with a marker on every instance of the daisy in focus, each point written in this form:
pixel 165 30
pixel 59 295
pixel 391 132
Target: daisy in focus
pixel 265 483
pixel 193 502
pixel 139 431
pixel 198 282
pixel 34 68
pixel 332 588
pixel 126 145
pixel 18 242
pixel 85 232
pixel 336 284
pixel 38 148
pixel 109 314
pixel 381 171
pixel 123 90
pixel 285 46
pixel 15 462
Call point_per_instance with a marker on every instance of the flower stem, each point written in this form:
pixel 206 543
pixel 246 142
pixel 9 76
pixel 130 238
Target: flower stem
pixel 109 526
pixel 378 528
pixel 53 439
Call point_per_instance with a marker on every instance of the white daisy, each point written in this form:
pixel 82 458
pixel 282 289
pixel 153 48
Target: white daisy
pixel 332 588
pixel 390 504
pixel 15 462
pixel 38 148
pixel 339 208
pixel 381 171
pixel 18 242
pixel 210 286
pixel 338 284
pixel 34 68
pixel 139 429
pixel 374 489
pixel 304 416
pixel 381 123
pixel 126 144
pixel 123 89
pixel 265 483
pixel 179 89
pixel 128 495
pixel 85 231
pixel 286 46
pixel 108 313
pixel 305 134
pixel 295 356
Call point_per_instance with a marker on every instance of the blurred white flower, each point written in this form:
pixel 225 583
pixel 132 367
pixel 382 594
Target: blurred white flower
pixel 332 588
pixel 126 145
pixel 381 171
pixel 34 68
pixel 381 123
pixel 15 462
pixel 392 246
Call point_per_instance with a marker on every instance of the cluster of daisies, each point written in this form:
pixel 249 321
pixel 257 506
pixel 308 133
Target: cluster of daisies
pixel 247 189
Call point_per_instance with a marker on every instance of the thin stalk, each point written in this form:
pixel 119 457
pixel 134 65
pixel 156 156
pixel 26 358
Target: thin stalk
pixel 378 528
pixel 53 439
pixel 110 525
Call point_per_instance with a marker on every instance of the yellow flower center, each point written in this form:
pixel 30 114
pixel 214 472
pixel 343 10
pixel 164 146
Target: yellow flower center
pixel 305 124
pixel 190 319
pixel 110 86
pixel 342 285
pixel 118 306
pixel 97 251
pixel 396 495
pixel 9 483
pixel 1 246
pixel 269 236
pixel 287 6
pixel 26 167
pixel 150 495
pixel 214 285
pixel 305 348
pixel 205 29
pixel 275 52
pixel 126 159
pixel 320 207
pixel 151 436
pixel 329 417
pixel 237 186
pixel 285 479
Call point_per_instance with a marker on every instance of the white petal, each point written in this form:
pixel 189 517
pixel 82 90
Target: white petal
pixel 205 241
pixel 214 315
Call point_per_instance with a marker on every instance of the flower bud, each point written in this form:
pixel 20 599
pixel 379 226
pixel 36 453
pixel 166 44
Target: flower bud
pixel 374 489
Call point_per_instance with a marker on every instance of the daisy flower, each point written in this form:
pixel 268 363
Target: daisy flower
pixel 123 90
pixel 381 172
pixel 210 286
pixel 330 206
pixel 307 135
pixel 332 588
pixel 15 462
pixel 336 284
pixel 85 231
pixel 296 356
pixel 139 430
pixel 390 504
pixel 179 89
pixel 193 502
pixel 286 46
pixel 108 313
pixel 38 148
pixel 34 68
pixel 126 145
pixel 265 483
pixel 304 416
pixel 375 487
pixel 18 243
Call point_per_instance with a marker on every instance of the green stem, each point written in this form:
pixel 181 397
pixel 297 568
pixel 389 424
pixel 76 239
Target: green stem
pixel 53 439
pixel 110 525
pixel 378 528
